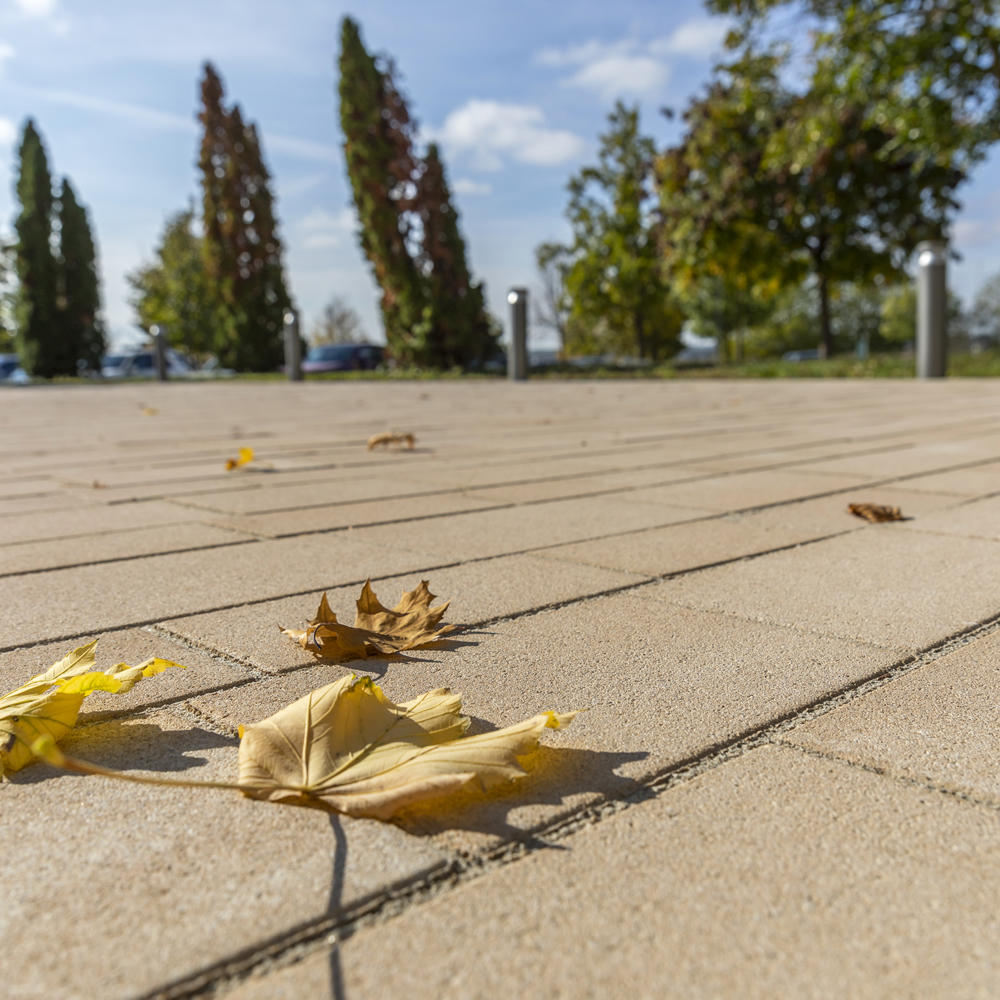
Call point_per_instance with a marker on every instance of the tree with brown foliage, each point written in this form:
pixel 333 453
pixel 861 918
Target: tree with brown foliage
pixel 241 244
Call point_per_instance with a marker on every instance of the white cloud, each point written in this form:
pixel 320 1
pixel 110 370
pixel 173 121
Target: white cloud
pixel 6 52
pixel 320 229
pixel 613 69
pixel 36 8
pixel 488 129
pixel 8 133
pixel 699 38
pixel 465 185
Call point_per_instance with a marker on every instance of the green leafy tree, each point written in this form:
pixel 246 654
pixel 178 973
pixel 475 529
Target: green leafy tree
pixel 40 343
pixel 984 318
pixel 942 54
pixel 175 291
pixel 433 311
pixel 8 297
pixel 813 188
pixel 620 300
pixel 79 298
pixel 241 245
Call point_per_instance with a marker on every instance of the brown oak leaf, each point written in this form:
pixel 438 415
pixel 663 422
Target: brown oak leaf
pixel 377 630
pixel 388 437
pixel 875 512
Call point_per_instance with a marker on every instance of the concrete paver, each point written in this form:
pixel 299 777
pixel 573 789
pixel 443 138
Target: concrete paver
pixel 112 889
pixel 659 684
pixel 937 725
pixel 848 586
pixel 777 875
pixel 133 646
pixel 803 869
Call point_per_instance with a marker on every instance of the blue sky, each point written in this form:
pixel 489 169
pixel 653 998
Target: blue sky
pixel 515 92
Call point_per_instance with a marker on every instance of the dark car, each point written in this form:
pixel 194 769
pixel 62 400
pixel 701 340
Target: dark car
pixel 341 358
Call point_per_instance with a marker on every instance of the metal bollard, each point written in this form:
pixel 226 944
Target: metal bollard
pixel 160 350
pixel 517 361
pixel 932 310
pixel 293 352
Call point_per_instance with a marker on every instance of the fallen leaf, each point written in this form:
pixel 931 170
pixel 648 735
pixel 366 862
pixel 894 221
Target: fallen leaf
pixel 348 748
pixel 49 703
pixel 875 512
pixel 149 411
pixel 98 485
pixel 245 458
pixel 412 624
pixel 388 437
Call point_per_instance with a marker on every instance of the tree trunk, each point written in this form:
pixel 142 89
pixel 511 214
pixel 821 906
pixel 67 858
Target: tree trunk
pixel 826 330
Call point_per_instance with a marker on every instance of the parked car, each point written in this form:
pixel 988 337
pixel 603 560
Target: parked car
pixel 11 372
pixel 341 358
pixel 810 355
pixel 141 364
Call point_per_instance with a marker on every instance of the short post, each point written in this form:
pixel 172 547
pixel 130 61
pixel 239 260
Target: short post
pixel 293 353
pixel 517 362
pixel 932 310
pixel 160 350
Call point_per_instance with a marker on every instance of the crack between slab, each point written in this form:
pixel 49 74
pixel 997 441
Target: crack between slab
pixel 319 935
pixel 885 772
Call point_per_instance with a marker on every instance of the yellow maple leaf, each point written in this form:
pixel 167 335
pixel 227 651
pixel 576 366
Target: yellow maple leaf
pixel 348 748
pixel 48 704
pixel 412 624
pixel 391 438
pixel 245 458
pixel 875 512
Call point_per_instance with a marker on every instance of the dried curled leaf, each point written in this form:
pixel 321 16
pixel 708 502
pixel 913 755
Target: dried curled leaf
pixel 48 704
pixel 377 630
pixel 346 745
pixel 875 512
pixel 245 458
pixel 389 438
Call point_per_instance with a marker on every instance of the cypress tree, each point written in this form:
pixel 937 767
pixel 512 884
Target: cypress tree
pixel 241 245
pixel 39 341
pixel 434 314
pixel 79 292
pixel 383 170
pixel 460 328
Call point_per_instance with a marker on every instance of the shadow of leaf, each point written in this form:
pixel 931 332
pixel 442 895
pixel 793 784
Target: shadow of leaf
pixel 559 781
pixel 131 746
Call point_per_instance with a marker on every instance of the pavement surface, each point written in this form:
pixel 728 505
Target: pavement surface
pixel 785 782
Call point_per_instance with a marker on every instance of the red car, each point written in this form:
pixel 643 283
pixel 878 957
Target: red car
pixel 341 358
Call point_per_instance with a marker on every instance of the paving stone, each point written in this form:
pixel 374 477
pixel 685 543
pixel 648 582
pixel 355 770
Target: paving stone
pixel 133 646
pixel 981 480
pixel 118 545
pixel 882 584
pixel 178 879
pixel 936 725
pixel 659 686
pixel 94 598
pixel 478 592
pixel 979 519
pixel 519 529
pixel 684 546
pixel 741 491
pixel 91 520
pixel 775 875
pixel 409 510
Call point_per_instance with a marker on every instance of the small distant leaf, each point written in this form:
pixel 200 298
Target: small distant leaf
pixel 387 438
pixel 149 411
pixel 49 703
pixel 347 746
pixel 377 630
pixel 245 458
pixel 875 512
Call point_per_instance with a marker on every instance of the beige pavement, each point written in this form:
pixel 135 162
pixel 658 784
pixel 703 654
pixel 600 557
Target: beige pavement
pixel 785 780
